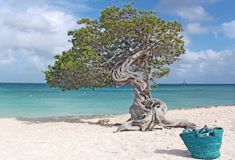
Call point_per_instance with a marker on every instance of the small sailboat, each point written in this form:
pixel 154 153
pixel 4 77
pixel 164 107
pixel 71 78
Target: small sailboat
pixel 184 82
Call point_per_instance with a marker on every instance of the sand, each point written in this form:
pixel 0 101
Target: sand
pixel 72 138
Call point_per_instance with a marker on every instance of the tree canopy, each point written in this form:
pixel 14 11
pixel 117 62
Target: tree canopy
pixel 123 46
pixel 101 45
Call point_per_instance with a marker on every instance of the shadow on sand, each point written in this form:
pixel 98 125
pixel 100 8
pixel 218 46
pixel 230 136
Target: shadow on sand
pixel 75 119
pixel 176 152
pixel 67 119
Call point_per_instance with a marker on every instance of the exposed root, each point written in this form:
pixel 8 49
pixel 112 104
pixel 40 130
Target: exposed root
pixel 146 121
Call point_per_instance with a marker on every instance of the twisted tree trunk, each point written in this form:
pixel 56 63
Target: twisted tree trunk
pixel 146 112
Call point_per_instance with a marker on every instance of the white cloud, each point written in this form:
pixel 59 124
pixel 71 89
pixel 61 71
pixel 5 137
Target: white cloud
pixel 206 65
pixel 6 56
pixel 196 13
pixel 190 10
pixel 35 60
pixel 229 29
pixel 187 40
pixel 196 28
pixel 39 30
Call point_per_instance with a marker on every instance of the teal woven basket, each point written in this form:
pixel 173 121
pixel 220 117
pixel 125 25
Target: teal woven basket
pixel 203 143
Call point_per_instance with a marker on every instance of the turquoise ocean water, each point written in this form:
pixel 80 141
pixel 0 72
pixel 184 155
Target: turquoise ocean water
pixel 37 100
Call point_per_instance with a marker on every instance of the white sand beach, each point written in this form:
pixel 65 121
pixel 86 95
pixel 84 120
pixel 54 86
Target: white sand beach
pixel 72 138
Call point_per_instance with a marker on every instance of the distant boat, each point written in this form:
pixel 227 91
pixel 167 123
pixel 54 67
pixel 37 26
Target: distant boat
pixel 184 82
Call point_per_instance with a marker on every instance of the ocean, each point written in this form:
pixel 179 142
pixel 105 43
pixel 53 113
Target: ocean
pixel 38 100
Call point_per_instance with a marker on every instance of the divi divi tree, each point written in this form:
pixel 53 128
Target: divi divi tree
pixel 123 46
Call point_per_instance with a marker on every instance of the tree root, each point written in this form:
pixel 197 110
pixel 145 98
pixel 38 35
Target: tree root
pixel 155 115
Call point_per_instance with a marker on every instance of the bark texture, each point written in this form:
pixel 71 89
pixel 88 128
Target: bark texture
pixel 146 112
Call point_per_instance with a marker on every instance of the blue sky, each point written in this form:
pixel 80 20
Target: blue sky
pixel 32 32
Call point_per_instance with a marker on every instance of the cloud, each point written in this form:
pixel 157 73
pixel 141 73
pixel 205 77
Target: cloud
pixel 228 29
pixel 6 56
pixel 196 13
pixel 205 66
pixel 189 10
pixel 35 33
pixel 196 28
pixel 186 38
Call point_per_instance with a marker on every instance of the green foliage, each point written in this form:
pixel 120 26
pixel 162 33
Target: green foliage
pixel 99 46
